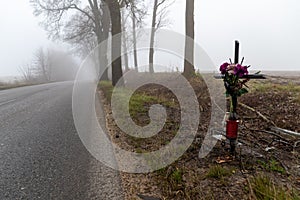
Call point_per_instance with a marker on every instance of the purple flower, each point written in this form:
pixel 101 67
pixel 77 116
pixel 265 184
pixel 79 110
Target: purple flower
pixel 240 70
pixel 223 68
pixel 237 70
pixel 245 70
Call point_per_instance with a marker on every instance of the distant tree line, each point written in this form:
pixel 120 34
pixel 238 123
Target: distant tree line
pixel 49 65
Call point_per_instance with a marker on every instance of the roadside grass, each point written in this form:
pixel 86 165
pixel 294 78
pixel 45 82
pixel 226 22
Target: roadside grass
pixel 262 87
pixel 176 176
pixel 139 102
pixel 272 165
pixel 17 84
pixel 265 189
pixel 171 178
pixel 218 172
pixel 175 179
pixel 5 86
pixel 106 88
pixel 139 105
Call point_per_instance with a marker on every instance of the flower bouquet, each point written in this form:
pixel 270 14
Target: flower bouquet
pixel 235 79
pixel 234 76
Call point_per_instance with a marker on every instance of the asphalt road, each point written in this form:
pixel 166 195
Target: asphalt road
pixel 41 155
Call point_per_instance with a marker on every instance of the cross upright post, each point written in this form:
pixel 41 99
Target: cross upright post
pixel 236 52
pixel 233 115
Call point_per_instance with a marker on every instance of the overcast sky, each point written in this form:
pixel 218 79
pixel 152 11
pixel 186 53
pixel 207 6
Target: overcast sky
pixel 268 30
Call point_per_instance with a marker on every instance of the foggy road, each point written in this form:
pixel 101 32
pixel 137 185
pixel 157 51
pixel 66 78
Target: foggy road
pixel 41 155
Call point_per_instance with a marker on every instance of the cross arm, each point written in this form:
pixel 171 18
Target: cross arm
pixel 249 76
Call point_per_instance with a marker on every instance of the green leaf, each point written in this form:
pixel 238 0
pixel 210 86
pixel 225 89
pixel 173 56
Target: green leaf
pixel 242 91
pixel 258 72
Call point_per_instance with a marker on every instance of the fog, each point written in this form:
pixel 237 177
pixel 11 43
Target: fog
pixel 268 31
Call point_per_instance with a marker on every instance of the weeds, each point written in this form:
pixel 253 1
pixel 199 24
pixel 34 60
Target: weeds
pixel 217 171
pixel 271 165
pixel 175 180
pixel 176 176
pixel 265 189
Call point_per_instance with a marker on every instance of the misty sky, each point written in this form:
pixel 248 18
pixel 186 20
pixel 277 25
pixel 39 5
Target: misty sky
pixel 268 30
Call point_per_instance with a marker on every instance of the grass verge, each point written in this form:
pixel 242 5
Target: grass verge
pixel 5 86
pixel 138 103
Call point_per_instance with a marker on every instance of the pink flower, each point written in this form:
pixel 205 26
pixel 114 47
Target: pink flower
pixel 223 68
pixel 231 67
pixel 231 72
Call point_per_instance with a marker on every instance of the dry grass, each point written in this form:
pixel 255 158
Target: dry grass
pixel 5 86
pixel 265 189
pixel 218 172
pixel 266 86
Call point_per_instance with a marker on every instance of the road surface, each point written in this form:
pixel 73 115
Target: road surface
pixel 41 155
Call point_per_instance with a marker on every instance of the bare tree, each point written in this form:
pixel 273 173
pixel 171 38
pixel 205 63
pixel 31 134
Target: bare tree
pixel 135 11
pixel 49 65
pixel 158 21
pixel 27 73
pixel 124 39
pixel 87 21
pixel 115 13
pixel 133 17
pixel 189 69
pixel 42 65
pixel 79 31
pixel 138 12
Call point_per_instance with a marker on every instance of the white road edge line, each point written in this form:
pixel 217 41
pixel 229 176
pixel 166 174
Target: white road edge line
pixel 5 102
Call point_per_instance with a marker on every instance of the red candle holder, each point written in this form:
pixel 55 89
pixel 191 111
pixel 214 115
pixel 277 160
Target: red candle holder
pixel 232 129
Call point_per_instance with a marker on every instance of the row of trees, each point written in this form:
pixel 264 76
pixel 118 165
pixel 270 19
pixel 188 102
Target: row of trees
pixel 87 23
pixel 49 65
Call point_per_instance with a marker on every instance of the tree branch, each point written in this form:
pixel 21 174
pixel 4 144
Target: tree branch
pixel 64 8
pixel 160 3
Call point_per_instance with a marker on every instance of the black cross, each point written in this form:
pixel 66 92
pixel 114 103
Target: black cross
pixel 236 61
pixel 233 115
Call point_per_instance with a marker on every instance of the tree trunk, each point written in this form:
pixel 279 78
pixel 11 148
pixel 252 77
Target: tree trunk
pixel 189 69
pixel 134 36
pixel 124 41
pixel 49 66
pixel 105 32
pixel 101 35
pixel 103 61
pixel 115 14
pixel 153 26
